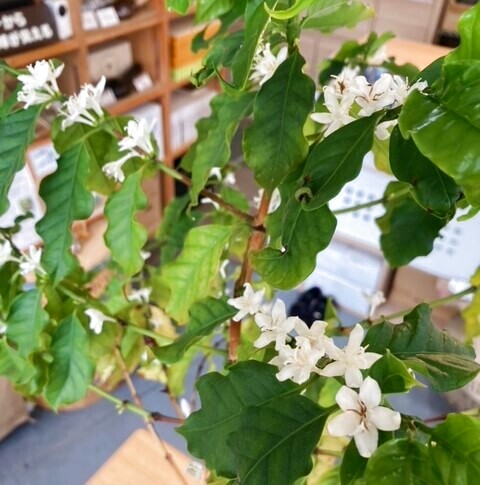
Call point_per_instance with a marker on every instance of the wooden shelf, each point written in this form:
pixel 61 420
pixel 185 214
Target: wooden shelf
pixel 49 51
pixel 143 20
pixel 184 83
pixel 134 100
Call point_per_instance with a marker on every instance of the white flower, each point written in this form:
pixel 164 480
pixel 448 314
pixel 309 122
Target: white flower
pixel 338 111
pixel 266 63
pixel 79 107
pixel 216 172
pixel 275 200
pixel 373 98
pixel 3 328
pixel 5 252
pixel 341 83
pixel 382 131
pixel 145 255
pixel 401 88
pixel 40 85
pixel 363 416
pixel 30 262
pixel 314 336
pixel 139 137
pixel 296 364
pixel 97 319
pixel 114 170
pixel 207 200
pixel 375 300
pixel 248 304
pixel 379 57
pixel 275 326
pixel 140 296
pixel 185 407
pixel 230 179
pixel 350 360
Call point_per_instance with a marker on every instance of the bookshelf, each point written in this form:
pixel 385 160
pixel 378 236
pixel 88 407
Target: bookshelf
pixel 148 30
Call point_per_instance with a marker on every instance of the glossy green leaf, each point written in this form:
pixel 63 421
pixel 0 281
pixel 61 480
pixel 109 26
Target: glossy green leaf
pixel 16 133
pixel 408 231
pixel 205 317
pixel 469 31
pixel 274 144
pixel 207 10
pixel 329 15
pixel 175 226
pixel 392 375
pixel 400 462
pixel 180 6
pixel 353 465
pixel 471 313
pixel 448 363
pixel 26 321
pixel 125 236
pixel 191 275
pixel 256 18
pixel 304 235
pixel 249 383
pixel 298 7
pixel 436 122
pixel 16 369
pixel 435 191
pixel 71 371
pixel 275 441
pixel 337 160
pixel 454 450
pixel 212 148
pixel 67 200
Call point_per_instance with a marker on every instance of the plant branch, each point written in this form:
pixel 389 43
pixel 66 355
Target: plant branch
pixel 383 200
pixel 149 421
pixel 255 242
pixel 432 304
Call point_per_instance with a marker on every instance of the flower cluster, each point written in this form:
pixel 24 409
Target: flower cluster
pixel 39 86
pixel 299 356
pixel 85 107
pixel 351 95
pixel 138 142
pixel 28 262
pixel 265 63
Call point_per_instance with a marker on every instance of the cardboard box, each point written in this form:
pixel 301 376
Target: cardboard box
pixel 13 410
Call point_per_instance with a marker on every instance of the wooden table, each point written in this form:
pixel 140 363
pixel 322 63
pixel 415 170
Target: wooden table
pixel 416 53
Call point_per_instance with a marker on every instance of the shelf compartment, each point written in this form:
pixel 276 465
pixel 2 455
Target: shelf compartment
pixel 134 100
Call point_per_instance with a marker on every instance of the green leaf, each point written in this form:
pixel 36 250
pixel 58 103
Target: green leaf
pixel 454 450
pixel 337 160
pixel 471 313
pixel 400 462
pixel 66 200
pixel 211 9
pixel 274 144
pixel 15 368
pixel 305 234
pixel 205 317
pixel 26 321
pixel 191 275
pixel 255 19
pixel 329 15
pixel 392 375
pixel 275 441
pixel 353 465
pixel 435 191
pixel 125 236
pixel 436 122
pixel 469 30
pixel 408 231
pixel 448 363
pixel 179 6
pixel 212 148
pixel 174 228
pixel 224 398
pixel 71 370
pixel 298 7
pixel 16 133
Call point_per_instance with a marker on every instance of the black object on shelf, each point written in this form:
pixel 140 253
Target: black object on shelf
pixel 311 305
pixel 123 85
pixel 449 39
pixel 8 4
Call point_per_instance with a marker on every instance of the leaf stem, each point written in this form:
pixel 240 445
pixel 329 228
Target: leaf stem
pixel 432 304
pixel 156 336
pixel 383 200
pixel 255 242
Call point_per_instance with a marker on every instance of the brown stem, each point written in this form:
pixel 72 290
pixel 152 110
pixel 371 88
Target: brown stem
pixel 149 422
pixel 255 242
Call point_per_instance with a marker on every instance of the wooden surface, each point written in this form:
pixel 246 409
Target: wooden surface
pixel 140 460
pixel 417 53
